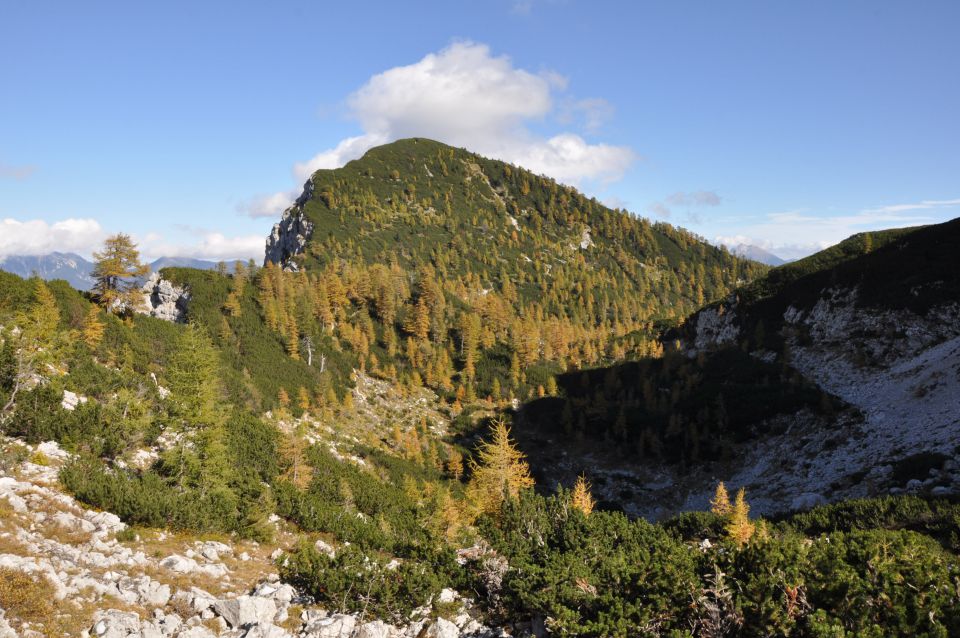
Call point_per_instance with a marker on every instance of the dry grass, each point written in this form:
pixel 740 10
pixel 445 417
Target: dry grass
pixel 26 597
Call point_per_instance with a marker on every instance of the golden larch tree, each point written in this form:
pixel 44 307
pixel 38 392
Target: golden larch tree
pixel 499 471
pixel 93 328
pixel 455 464
pixel 739 528
pixel 720 503
pixel 581 498
pixel 116 270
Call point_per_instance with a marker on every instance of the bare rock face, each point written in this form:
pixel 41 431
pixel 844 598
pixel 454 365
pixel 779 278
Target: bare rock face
pixel 289 237
pixel 163 300
pixel 715 327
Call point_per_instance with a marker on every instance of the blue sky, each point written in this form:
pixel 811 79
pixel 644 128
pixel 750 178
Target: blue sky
pixel 188 124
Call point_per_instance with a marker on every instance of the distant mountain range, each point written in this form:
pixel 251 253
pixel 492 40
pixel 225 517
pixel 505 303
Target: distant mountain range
pixel 77 271
pixel 757 254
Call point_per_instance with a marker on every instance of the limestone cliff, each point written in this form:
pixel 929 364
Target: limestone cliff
pixel 289 237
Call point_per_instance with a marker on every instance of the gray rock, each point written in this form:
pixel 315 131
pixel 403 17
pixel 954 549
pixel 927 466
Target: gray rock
pixel 179 564
pixel 941 490
pixel 197 631
pixel 442 628
pixel 282 593
pixel 246 610
pixel 336 626
pixel 113 623
pixel 375 629
pixel 290 236
pixel 163 300
pixel 184 565
pixel 266 631
pixel 6 631
pixel 195 600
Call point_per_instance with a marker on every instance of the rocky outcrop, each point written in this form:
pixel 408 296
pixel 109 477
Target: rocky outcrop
pixel 715 327
pixel 136 591
pixel 289 237
pixel 163 300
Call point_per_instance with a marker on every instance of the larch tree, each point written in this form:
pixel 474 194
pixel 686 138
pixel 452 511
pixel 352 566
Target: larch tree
pixel 116 269
pixel 294 452
pixel 93 328
pixel 581 498
pixel 720 503
pixel 739 528
pixel 36 343
pixel 455 464
pixel 194 379
pixel 499 471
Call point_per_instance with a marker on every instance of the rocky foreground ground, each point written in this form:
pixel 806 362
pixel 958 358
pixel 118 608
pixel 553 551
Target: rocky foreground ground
pixel 98 578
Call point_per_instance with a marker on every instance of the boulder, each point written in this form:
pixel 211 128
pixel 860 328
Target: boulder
pixel 282 593
pixel 375 629
pixel 116 624
pixel 336 626
pixel 246 610
pixel 185 565
pixel 211 550
pixel 266 631
pixel 195 600
pixel 179 564
pixel 163 300
pixel 441 628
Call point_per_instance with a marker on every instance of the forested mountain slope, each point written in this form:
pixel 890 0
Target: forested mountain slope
pixel 831 377
pixel 474 258
pixel 341 429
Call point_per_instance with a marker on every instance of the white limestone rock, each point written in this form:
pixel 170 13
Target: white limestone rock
pixel 289 237
pixel 163 300
pixel 442 628
pixel 245 610
pixel 375 629
pixel 335 626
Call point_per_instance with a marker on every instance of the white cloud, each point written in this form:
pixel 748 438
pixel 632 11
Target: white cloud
pixel 19 173
pixel 210 245
pixel 39 237
pixel 688 201
pixel 659 210
pixel 349 149
pixel 465 96
pixel 797 233
pixel 85 236
pixel 696 198
pixel 268 205
pixel 593 112
pixel 924 205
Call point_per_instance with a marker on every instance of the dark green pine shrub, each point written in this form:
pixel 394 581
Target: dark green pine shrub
pixel 356 580
pixel 601 575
